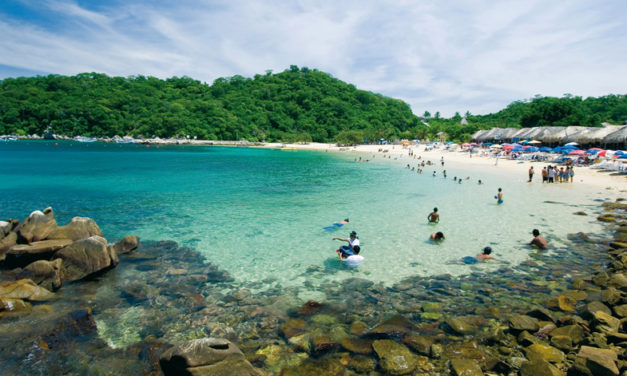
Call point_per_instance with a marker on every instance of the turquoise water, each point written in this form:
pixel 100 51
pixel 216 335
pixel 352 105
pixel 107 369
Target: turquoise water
pixel 259 213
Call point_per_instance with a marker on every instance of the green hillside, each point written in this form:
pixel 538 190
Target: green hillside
pixel 299 104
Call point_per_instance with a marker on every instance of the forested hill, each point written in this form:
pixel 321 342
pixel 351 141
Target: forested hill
pixel 294 105
pixel 299 104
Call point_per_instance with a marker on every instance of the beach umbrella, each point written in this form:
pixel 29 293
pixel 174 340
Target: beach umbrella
pixel 577 152
pixel 534 142
pixel 599 149
pixel 619 152
pixel 622 156
pixel 448 142
pixel 602 153
pixel 473 144
pixel 571 144
pixel 487 144
pixel 545 149
pixel 594 151
pixel 515 144
pixel 496 147
pixel 556 149
pixel 532 149
pixel 509 147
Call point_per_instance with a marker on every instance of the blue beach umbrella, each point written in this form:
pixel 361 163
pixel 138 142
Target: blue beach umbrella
pixel 619 152
pixel 532 149
pixel 545 148
pixel 593 151
pixel 622 156
pixel 556 149
pixel 448 142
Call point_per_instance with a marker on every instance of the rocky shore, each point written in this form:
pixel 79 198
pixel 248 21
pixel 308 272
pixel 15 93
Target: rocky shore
pixel 72 303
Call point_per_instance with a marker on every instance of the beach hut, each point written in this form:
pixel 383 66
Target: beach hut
pixel 595 135
pixel 479 134
pixel 552 135
pixel 616 140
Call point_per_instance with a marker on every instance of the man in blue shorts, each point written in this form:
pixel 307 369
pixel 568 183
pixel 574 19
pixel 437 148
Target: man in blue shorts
pixel 348 250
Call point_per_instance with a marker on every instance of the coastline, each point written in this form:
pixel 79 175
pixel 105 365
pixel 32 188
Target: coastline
pixel 278 335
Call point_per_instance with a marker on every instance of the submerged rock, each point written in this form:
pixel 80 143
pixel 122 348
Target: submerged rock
pixel 523 322
pixel 543 352
pixel 13 306
pixel 539 368
pixel 206 356
pixel 395 358
pixel 466 367
pixel 357 345
pixel 394 327
pixel 75 324
pixel 599 362
pixel 460 326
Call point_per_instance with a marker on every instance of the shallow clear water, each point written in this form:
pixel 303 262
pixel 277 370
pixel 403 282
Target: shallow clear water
pixel 259 213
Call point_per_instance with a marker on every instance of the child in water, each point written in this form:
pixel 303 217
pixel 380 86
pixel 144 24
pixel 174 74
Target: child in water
pixel 485 255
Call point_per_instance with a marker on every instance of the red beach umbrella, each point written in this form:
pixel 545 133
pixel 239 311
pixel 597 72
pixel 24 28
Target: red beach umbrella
pixel 595 149
pixel 577 152
pixel 508 147
pixel 602 153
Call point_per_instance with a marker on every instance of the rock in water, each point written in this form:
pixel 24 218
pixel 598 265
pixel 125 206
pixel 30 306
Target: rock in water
pixel 466 367
pixel 206 356
pixel 85 257
pixel 36 248
pixel 396 359
pixel 47 274
pixel 37 226
pixel 599 362
pixel 127 244
pixel 78 228
pixel 24 289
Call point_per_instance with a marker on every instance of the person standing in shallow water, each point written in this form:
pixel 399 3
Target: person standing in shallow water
pixel 434 217
pixel 499 196
pixel 530 174
pixel 538 240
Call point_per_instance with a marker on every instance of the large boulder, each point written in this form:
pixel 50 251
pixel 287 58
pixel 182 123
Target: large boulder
pixel 47 274
pixel 37 226
pixel 206 356
pixel 6 243
pixel 35 248
pixel 78 228
pixel 85 257
pixel 543 352
pixel 24 289
pixel 5 228
pixel 523 322
pixel 127 244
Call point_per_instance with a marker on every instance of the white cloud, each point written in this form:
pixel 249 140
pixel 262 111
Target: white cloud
pixel 436 55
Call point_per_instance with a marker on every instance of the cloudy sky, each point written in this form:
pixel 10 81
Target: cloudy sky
pixel 437 55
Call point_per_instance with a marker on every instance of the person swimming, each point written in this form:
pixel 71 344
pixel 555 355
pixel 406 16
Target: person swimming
pixel 483 256
pixel 437 236
pixel 336 225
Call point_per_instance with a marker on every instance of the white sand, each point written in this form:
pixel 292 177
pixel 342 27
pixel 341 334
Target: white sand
pixel 588 176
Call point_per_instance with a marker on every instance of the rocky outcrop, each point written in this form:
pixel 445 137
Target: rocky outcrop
pixel 24 289
pixel 47 274
pixel 78 228
pixel 37 226
pixel 127 244
pixel 85 257
pixel 206 357
pixel 6 243
pixel 35 248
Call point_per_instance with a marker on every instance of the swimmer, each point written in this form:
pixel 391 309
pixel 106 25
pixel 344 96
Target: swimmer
pixel 538 240
pixel 483 256
pixel 433 173
pixel 437 236
pixel 479 182
pixel 434 217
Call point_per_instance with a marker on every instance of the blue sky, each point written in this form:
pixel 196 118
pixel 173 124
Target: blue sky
pixel 436 55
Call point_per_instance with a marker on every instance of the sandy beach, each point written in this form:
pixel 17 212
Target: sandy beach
pixel 590 176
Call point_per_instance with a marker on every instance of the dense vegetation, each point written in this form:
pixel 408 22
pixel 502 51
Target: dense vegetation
pixel 294 105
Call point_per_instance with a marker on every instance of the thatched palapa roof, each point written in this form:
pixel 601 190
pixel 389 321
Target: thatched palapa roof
pixel 617 137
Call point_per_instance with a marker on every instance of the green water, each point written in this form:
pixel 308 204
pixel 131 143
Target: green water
pixel 259 213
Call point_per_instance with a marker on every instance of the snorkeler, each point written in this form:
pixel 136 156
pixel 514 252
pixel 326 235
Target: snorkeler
pixel 483 256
